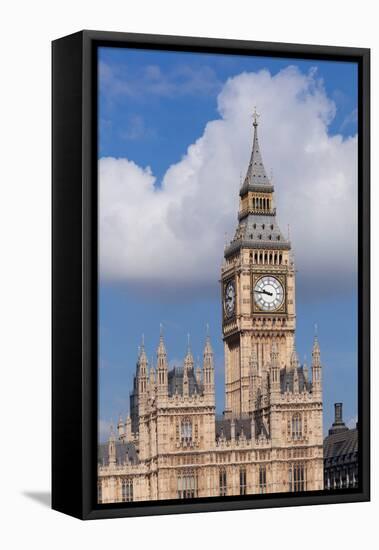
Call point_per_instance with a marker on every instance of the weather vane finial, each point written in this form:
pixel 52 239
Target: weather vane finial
pixel 255 117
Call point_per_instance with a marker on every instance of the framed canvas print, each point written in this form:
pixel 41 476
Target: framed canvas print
pixel 210 275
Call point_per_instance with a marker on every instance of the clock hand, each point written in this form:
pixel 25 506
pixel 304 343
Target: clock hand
pixel 264 292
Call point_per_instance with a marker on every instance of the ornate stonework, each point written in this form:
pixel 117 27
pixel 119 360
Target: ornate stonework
pixel 269 439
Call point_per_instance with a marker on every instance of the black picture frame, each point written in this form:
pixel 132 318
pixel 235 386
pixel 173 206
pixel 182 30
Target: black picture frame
pixel 74 271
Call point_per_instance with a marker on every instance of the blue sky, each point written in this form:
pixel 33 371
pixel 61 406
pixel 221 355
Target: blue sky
pixel 152 107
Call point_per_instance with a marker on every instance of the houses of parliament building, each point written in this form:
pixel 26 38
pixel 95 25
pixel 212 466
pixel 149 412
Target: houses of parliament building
pixel 270 438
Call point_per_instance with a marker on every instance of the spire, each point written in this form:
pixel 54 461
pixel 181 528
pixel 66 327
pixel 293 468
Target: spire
pixel 142 359
pixel 142 366
pixel 257 225
pixel 316 349
pixel 111 447
pixel 305 369
pixel 294 362
pixel 256 174
pixel 188 360
pixel 162 367
pixel 316 365
pixel 161 351
pixel 208 366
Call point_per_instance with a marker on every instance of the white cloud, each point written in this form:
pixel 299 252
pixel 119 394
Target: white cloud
pixel 174 236
pixel 120 80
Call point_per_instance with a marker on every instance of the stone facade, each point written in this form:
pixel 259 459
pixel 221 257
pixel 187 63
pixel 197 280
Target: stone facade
pixel 269 439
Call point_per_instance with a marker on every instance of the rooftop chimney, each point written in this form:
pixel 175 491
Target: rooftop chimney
pixel 338 424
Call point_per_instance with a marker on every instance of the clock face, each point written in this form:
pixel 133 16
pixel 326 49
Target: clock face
pixel 229 299
pixel 268 293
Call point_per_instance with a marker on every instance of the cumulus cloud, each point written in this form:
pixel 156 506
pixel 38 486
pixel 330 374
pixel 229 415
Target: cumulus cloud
pixel 172 236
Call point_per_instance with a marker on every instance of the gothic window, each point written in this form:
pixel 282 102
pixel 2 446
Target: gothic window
pixel 297 431
pixel 186 431
pixel 262 479
pixel 243 481
pixel 127 490
pixel 297 477
pixel 223 485
pixel 187 485
pixel 99 492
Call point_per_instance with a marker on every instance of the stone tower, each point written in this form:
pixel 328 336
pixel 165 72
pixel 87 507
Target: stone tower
pixel 258 288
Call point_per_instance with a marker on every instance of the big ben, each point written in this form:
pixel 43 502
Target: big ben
pixel 258 287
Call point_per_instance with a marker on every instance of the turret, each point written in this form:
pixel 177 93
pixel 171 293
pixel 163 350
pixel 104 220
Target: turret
pixel 316 368
pixel 112 448
pixel 162 367
pixel 188 360
pixel 120 428
pixel 142 367
pixel 294 361
pixel 208 368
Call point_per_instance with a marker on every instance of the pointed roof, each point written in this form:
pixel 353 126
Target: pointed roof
pixel 256 176
pixel 161 350
pixel 208 346
pixel 257 229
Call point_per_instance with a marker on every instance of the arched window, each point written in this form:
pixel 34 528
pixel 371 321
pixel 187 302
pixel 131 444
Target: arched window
pixel 126 489
pixel 186 431
pixel 187 484
pixel 243 481
pixel 262 479
pixel 297 477
pixel 297 430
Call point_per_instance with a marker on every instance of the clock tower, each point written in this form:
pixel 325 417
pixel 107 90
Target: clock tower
pixel 258 289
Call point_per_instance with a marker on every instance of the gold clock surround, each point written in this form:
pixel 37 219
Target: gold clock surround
pixel 283 281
